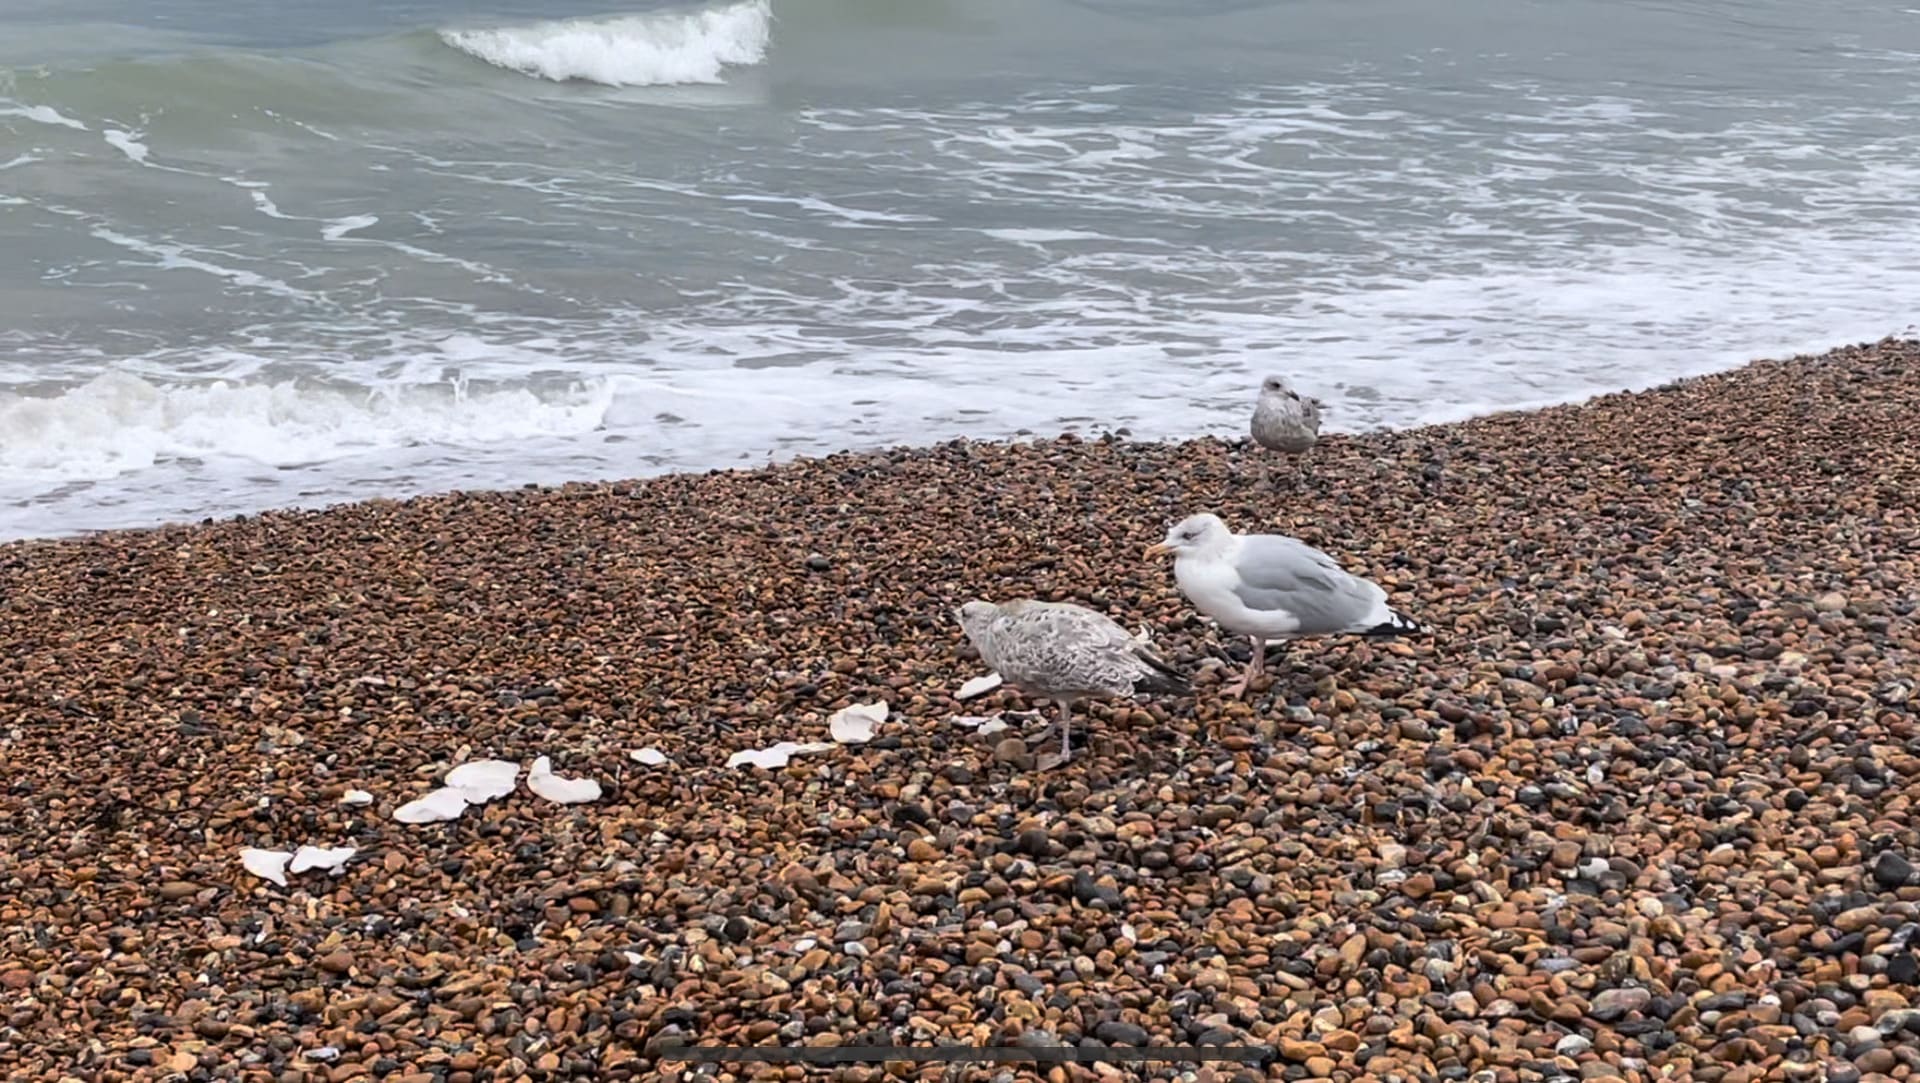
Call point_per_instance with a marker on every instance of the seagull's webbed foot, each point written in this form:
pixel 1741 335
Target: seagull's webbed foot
pixel 1255 667
pixel 1047 761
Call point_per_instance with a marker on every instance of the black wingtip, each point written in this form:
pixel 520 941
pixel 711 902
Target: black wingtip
pixel 1399 625
pixel 1165 684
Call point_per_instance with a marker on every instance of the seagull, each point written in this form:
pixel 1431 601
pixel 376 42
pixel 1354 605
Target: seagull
pixel 1064 652
pixel 1285 420
pixel 1267 586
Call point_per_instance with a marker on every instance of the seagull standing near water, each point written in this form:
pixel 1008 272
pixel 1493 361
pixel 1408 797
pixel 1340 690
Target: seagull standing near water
pixel 1064 652
pixel 1285 420
pixel 1268 586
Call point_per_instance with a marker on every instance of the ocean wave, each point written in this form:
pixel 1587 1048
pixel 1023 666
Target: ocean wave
pixel 119 422
pixel 634 50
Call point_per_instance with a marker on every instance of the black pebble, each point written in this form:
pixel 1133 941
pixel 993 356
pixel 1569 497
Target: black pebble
pixel 1892 870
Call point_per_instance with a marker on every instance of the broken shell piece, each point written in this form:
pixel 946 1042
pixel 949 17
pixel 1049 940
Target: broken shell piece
pixel 979 686
pixel 480 781
pixel 854 725
pixel 445 803
pixel 320 857
pixel 356 798
pixel 565 791
pixel 775 757
pixel 267 864
pixel 981 725
pixel 652 757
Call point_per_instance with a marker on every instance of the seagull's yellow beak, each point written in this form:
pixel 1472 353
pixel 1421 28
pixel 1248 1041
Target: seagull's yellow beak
pixel 1159 549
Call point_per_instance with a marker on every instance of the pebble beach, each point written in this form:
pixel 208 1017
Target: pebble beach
pixel 1643 807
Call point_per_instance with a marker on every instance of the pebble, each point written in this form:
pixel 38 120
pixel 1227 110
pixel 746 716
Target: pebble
pixel 1614 1004
pixel 1892 870
pixel 1398 860
pixel 1114 1032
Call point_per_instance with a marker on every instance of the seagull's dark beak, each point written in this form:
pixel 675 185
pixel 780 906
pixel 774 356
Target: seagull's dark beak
pixel 1159 549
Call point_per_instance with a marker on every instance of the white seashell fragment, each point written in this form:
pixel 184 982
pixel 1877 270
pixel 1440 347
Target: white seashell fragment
pixel 356 798
pixel 775 757
pixel 855 725
pixel 267 864
pixel 565 791
pixel 652 757
pixel 979 686
pixel 480 781
pixel 445 803
pixel 320 857
pixel 991 726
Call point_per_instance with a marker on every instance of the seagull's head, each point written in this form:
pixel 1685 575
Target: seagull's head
pixel 975 614
pixel 1274 385
pixel 1193 536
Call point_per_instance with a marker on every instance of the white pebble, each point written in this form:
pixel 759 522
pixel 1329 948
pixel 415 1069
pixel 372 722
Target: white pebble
pixel 480 781
pixel 445 803
pixel 564 791
pixel 320 857
pixel 855 725
pixel 267 864
pixel 774 757
pixel 979 686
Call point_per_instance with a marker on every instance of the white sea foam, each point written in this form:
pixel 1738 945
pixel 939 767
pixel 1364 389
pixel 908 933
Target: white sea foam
pixel 127 143
pixel 1044 236
pixel 119 422
pixel 636 50
pixel 178 257
pixel 40 114
pixel 339 228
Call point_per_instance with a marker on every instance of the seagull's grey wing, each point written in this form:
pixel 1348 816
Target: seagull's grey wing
pixel 1285 575
pixel 1053 650
pixel 1092 624
pixel 1071 649
pixel 1124 659
pixel 1129 652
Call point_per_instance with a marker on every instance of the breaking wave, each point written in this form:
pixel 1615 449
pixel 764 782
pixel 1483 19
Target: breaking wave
pixel 633 50
pixel 119 422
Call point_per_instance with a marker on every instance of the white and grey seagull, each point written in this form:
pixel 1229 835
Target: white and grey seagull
pixel 1285 420
pixel 1269 586
pixel 1064 652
